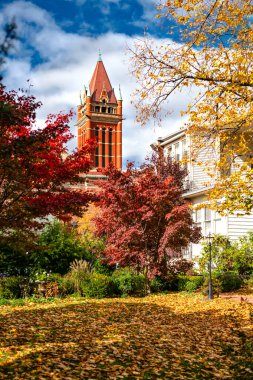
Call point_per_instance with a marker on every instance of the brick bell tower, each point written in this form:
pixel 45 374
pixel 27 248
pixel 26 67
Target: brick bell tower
pixel 100 117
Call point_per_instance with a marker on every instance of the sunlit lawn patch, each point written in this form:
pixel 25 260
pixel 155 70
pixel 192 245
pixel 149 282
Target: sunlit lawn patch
pixel 158 337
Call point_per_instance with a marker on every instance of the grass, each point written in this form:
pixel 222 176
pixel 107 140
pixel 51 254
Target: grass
pixel 172 336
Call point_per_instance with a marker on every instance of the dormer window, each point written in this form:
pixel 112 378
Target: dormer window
pixel 104 96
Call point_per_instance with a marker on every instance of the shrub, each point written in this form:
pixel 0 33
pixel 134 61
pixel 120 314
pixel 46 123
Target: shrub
pixel 194 283
pixel 223 282
pixel 158 285
pixel 4 301
pixel 52 289
pixel 128 283
pixel 11 287
pixel 249 283
pixel 66 286
pixel 96 285
pixel 216 286
pixel 17 302
pixel 178 266
pixel 229 255
pixel 190 283
pixel 79 272
pixel 230 281
pixel 58 245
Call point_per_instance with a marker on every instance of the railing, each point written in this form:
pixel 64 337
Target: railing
pixel 192 185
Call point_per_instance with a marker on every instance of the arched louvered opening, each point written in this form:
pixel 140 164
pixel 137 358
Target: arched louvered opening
pixel 103 147
pixel 110 145
pixel 97 148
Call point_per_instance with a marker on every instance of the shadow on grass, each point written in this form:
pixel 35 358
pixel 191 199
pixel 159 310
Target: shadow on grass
pixel 122 340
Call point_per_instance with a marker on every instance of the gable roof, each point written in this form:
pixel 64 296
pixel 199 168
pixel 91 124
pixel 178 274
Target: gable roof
pixel 99 82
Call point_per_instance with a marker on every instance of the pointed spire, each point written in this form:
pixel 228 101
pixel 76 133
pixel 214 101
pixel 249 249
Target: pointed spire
pixel 99 56
pixel 100 81
pixel 81 102
pixel 120 95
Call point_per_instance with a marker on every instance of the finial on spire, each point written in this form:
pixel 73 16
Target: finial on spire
pixel 120 96
pixel 99 56
pixel 81 102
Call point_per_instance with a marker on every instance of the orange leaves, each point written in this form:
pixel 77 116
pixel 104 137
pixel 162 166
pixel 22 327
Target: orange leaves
pixel 215 54
pixel 158 337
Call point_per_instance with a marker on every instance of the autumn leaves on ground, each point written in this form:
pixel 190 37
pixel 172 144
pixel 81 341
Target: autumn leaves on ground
pixel 170 336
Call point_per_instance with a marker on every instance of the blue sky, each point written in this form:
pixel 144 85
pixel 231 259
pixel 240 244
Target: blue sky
pixel 57 52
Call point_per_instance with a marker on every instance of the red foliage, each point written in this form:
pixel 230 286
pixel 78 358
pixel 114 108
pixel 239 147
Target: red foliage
pixel 144 218
pixel 37 175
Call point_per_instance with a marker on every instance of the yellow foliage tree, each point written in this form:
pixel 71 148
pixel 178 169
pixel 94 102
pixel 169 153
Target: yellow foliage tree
pixel 216 56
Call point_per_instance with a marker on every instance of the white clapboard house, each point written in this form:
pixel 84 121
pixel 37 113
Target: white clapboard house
pixel 197 184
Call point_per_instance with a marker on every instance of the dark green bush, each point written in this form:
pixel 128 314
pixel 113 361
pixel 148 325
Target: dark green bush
pixel 230 281
pixel 96 285
pixel 157 285
pixel 129 283
pixel 190 283
pixel 11 287
pixel 223 282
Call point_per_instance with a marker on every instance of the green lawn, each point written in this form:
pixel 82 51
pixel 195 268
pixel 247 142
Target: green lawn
pixel 173 336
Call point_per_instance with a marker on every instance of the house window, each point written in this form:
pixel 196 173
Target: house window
pixel 217 223
pixel 184 149
pixel 207 221
pixel 168 151
pixel 177 153
pixel 187 252
pixel 198 216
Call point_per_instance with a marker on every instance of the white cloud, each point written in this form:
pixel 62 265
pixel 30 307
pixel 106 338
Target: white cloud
pixel 68 64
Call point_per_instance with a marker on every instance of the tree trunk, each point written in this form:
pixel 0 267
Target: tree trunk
pixel 147 281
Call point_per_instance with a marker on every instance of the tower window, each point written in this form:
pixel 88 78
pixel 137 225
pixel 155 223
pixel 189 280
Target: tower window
pixel 96 152
pixel 103 147
pixel 110 144
pixel 110 110
pixel 97 109
pixel 103 109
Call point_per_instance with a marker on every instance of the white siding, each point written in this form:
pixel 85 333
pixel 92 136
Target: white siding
pixel 200 176
pixel 233 226
pixel 239 225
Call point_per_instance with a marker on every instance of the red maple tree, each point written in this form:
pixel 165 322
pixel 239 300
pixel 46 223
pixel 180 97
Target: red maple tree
pixel 144 218
pixel 37 175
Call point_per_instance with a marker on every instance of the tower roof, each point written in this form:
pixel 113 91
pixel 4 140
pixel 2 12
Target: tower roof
pixel 99 82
